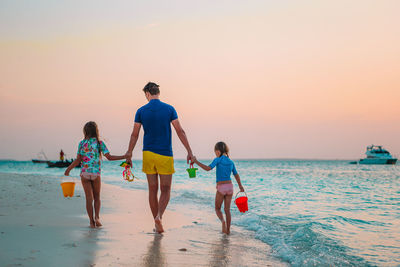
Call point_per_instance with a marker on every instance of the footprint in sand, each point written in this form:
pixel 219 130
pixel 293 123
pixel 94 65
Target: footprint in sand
pixel 70 245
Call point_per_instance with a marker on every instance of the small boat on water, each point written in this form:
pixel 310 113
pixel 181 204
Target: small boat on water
pixel 61 164
pixel 39 161
pixel 376 155
pixel 41 158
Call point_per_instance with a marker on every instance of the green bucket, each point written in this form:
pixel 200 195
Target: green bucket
pixel 192 171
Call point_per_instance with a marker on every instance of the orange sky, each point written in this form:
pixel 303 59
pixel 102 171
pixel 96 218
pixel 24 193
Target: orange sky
pixel 309 79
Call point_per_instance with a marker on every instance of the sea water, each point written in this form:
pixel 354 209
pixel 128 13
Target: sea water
pixel 312 213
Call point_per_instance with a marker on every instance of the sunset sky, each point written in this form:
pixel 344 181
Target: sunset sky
pixel 274 79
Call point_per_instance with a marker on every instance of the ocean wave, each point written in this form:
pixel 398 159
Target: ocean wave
pixel 298 243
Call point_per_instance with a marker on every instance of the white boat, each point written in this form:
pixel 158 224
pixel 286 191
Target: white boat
pixel 377 155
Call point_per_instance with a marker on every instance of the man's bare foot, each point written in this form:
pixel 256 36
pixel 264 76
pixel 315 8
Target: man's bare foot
pixel 98 223
pixel 224 229
pixel 92 224
pixel 228 231
pixel 158 225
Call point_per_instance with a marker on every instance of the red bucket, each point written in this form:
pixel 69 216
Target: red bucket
pixel 241 203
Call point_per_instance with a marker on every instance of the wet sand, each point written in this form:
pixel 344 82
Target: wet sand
pixel 39 227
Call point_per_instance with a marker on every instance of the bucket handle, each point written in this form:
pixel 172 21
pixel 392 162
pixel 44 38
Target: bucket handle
pixel 240 192
pixel 191 165
pixel 72 178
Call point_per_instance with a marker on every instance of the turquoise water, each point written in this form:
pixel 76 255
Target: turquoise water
pixel 312 213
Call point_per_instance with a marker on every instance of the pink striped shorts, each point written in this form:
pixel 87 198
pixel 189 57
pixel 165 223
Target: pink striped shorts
pixel 225 189
pixel 90 176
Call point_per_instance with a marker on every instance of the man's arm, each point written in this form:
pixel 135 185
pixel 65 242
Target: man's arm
pixel 134 138
pixel 182 136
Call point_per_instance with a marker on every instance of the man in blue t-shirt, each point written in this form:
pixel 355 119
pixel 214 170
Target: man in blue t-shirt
pixel 156 118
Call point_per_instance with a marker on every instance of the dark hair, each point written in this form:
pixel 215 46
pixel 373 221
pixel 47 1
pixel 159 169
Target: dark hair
pixel 90 130
pixel 152 88
pixel 222 147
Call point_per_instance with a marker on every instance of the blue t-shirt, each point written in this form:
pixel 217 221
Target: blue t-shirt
pixel 156 118
pixel 225 167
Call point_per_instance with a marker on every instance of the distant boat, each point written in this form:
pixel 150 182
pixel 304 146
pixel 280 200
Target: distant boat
pixel 39 161
pixel 376 155
pixel 40 157
pixel 61 164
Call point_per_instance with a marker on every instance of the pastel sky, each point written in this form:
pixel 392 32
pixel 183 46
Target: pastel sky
pixel 274 79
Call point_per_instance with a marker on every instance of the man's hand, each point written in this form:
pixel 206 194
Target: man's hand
pixel 190 158
pixel 128 157
pixel 129 162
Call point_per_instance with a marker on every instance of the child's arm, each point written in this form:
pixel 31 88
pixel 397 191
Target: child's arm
pixel 73 164
pixel 204 167
pixel 237 177
pixel 113 157
pixel 107 154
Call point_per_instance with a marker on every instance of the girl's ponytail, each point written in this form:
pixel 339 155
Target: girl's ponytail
pixel 222 147
pixel 90 130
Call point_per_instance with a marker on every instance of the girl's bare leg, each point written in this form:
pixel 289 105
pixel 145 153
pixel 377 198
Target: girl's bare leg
pixel 97 203
pixel 219 198
pixel 227 208
pixel 87 187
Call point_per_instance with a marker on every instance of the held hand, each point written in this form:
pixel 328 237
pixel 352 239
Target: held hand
pixel 189 158
pixel 129 162
pixel 128 158
pixel 128 155
pixel 194 159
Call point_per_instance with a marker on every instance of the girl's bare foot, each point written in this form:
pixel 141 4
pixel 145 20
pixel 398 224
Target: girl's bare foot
pixel 158 225
pixel 224 229
pixel 98 223
pixel 92 224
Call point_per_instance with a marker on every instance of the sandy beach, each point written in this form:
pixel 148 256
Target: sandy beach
pixel 39 227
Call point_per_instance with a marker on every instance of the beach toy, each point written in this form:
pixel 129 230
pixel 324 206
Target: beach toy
pixel 241 202
pixel 192 171
pixel 127 173
pixel 68 188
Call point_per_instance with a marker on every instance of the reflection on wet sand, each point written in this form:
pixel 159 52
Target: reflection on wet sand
pixel 154 256
pixel 91 237
pixel 220 252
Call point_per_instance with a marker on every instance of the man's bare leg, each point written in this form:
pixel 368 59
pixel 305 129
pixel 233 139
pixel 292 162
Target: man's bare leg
pixel 165 187
pixel 152 180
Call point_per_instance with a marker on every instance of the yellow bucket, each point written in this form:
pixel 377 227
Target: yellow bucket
pixel 68 189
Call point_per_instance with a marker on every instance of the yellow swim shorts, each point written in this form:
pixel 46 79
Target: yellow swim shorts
pixel 155 163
